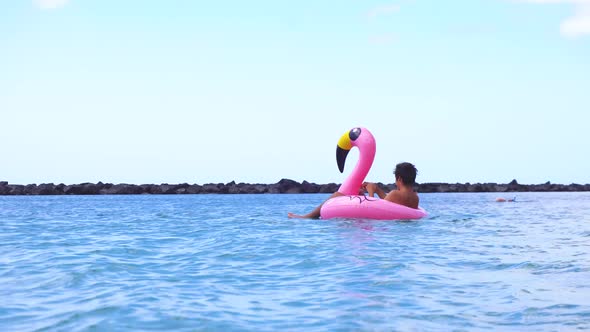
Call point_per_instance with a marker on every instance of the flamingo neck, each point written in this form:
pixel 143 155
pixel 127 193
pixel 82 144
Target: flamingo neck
pixel 353 183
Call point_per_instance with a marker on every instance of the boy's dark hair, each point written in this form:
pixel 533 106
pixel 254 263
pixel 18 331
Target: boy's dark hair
pixel 407 172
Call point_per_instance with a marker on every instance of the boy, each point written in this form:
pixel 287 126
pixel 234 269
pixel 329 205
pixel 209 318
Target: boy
pixel 405 178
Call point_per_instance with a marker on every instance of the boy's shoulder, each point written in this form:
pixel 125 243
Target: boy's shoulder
pixel 407 198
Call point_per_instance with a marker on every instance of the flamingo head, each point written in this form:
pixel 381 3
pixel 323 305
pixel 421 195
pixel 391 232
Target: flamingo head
pixel 359 137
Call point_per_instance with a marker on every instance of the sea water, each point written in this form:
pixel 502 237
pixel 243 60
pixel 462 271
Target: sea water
pixel 237 263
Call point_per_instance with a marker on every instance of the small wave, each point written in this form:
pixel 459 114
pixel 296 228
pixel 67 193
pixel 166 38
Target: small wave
pixel 236 263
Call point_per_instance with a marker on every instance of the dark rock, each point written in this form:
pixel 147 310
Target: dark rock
pixel 309 188
pixel 274 189
pixel 233 188
pixel 131 189
pixel 4 188
pixel 257 188
pixel 210 188
pixel 17 189
pixel 30 188
pixel 329 188
pixel 194 189
pixel 169 189
pixel 500 188
pixel 82 189
pixel 283 186
pixel 262 189
pixel 122 189
pixel 288 186
pixel 514 186
pixel 223 189
pixel 429 187
pixel 45 189
pixel 150 189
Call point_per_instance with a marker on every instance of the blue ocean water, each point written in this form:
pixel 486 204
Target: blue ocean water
pixel 237 263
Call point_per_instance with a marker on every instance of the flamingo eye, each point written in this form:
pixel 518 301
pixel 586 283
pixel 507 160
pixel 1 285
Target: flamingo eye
pixel 354 134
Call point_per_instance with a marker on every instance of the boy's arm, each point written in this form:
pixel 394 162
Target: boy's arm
pixel 373 188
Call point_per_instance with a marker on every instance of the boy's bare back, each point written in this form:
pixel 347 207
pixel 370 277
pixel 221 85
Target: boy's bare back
pixel 408 198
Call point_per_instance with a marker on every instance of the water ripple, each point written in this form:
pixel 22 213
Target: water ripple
pixel 223 262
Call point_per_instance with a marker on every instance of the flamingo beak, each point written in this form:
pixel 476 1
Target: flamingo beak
pixel 342 149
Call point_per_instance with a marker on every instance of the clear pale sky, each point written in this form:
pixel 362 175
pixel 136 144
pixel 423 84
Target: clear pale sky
pixel 255 91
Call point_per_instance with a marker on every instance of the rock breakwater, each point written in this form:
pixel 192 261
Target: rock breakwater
pixel 284 186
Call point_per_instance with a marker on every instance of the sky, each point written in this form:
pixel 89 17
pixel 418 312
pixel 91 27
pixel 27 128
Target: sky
pixel 255 91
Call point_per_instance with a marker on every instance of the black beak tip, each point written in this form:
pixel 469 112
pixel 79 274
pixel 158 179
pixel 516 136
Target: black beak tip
pixel 341 158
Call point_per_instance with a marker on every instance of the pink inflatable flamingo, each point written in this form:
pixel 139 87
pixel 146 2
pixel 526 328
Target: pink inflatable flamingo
pixel 353 205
